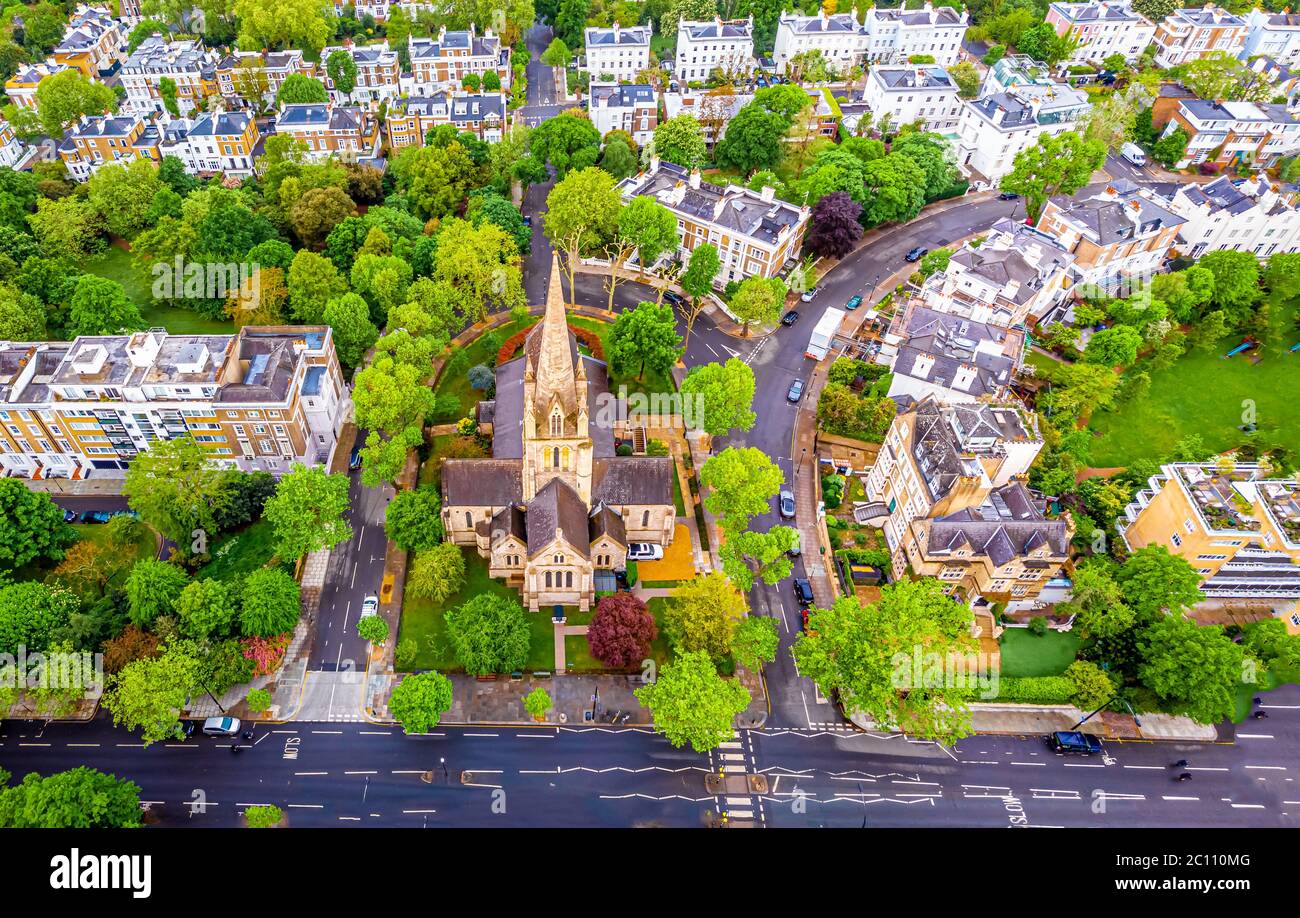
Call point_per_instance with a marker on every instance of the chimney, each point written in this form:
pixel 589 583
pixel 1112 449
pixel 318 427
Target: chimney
pixel 617 31
pixel 654 164
pixel 695 178
pixel 923 365
pixel 768 194
pixel 964 377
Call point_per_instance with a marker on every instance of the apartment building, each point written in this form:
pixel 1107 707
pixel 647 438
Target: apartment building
pixel 21 87
pixel 91 43
pixel 379 73
pixel 96 141
pixel 909 93
pixel 1253 216
pixel 1015 274
pixel 1274 35
pixel 482 114
pixel 947 490
pixel 1122 232
pixel 347 132
pixel 445 61
pixel 713 108
pixel 1102 28
pixel 1238 524
pixel 187 63
pixel 726 46
pixel 628 107
pixel 1233 134
pixel 894 35
pixel 755 234
pixel 257 400
pixel 617 52
pixel 1188 34
pixel 837 36
pixel 254 75
pixel 12 150
pixel 951 358
pixel 216 143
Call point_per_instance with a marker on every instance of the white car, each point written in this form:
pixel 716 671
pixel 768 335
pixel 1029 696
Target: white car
pixel 807 295
pixel 644 551
pixel 221 726
pixel 369 606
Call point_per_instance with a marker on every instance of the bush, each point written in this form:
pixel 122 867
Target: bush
pixel 1036 689
pixel 373 628
pixel 263 817
pixel 833 491
pixel 1038 626
pixel 876 557
pixel 259 700
pixel 537 703
pixel 656 448
pixel 407 650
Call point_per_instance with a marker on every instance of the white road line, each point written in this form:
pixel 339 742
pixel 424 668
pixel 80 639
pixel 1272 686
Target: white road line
pixel 535 736
pixel 361 772
pixel 305 806
pixel 1254 736
pixel 305 774
pixel 479 734
pixel 1265 767
pixel 1040 764
pixel 1247 806
pixel 1180 798
pixel 1147 767
pixel 83 745
pixel 1201 768
pixel 1078 765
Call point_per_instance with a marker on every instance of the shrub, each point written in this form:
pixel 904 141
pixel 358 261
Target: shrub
pixel 1038 626
pixel 537 703
pixel 406 652
pixel 621 631
pixel 373 628
pixel 263 817
pixel 833 491
pixel 259 700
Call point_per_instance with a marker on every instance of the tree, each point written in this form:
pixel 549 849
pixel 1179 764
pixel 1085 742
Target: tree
pixel 697 279
pixel 621 631
pixel 755 641
pixel 702 615
pixel 758 299
pixel 152 589
pixel 64 97
pixel 723 396
pixel 31 614
pixel 391 397
pixel 895 189
pixel 1114 347
pixel 490 206
pixel 582 214
pixel 1236 279
pixel 966 77
pixel 420 700
pixel 148 694
pixel 206 608
pixel 372 628
pixel 123 195
pixel 263 816
pixel 1043 44
pixel 301 24
pixel 479 267
pixel 1098 603
pixel 1092 687
pixel 313 281
pixel 31 526
pixel 298 88
pixel 748 553
pixel 176 489
pixel 80 798
pixel 556 54
pixel 1220 77
pixel 835 228
pixel 489 634
pixel 568 142
pixel 1170 148
pixel 317 212
pixel 865 655
pixel 754 140
pixel 645 337
pixel 1155 10
pixel 342 70
pixel 270 603
pixel 437 573
pixel 1057 164
pixel 99 306
pixel 645 228
pixel 680 140
pixel 349 318
pixel 1194 669
pixel 618 159
pixel 741 481
pixel 537 703
pixel 414 520
pixel 1152 580
pixel 307 512
pixel 67 226
pixel 691 703
pixel 931 153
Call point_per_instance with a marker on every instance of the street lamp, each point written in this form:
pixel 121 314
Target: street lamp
pixel 446 776
pixel 872 291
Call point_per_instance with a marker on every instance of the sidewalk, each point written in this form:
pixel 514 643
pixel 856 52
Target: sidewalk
pixel 1040 720
pixel 103 484
pixel 813 537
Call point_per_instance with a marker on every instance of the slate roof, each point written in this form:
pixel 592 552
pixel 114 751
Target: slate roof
pixel 953 342
pixel 601 38
pixel 1118 217
pixel 1221 196
pixel 917 77
pixel 482 482
pixel 557 510
pixel 1096 12
pixel 479 107
pixel 510 520
pixel 946 437
pixel 605 521
pixel 1007 525
pixel 838 24
pixel 624 480
pixel 702 31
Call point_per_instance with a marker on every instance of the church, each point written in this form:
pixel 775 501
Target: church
pixel 554 503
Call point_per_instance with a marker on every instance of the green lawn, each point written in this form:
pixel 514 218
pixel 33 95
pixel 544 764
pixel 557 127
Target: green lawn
pixel 1027 654
pixel 423 620
pixel 116 264
pixel 652 382
pixel 144 546
pixel 1205 394
pixel 237 554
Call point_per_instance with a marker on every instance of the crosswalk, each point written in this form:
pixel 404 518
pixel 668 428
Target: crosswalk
pixel 737 800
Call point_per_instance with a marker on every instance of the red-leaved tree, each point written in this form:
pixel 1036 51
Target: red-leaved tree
pixel 621 631
pixel 835 227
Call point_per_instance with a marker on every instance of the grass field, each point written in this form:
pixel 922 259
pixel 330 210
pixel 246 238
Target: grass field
pixel 237 554
pixel 1027 654
pixel 116 264
pixel 144 546
pixel 1205 394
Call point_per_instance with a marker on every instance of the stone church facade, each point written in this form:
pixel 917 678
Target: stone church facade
pixel 554 504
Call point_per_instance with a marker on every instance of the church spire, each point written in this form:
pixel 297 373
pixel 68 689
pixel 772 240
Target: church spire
pixel 555 355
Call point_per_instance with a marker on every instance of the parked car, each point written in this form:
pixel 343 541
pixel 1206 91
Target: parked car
pixel 354 460
pixel 803 593
pixel 797 548
pixel 796 391
pixel 96 516
pixel 807 295
pixel 790 318
pixel 644 551
pixel 528 221
pixel 1008 196
pixel 69 516
pixel 221 726
pixel 1071 742
pixel 854 301
pixel 916 254
pixel 673 298
pixel 786 500
pixel 369 606
pixel 187 728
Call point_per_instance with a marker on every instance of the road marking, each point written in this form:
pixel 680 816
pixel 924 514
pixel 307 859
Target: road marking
pixel 305 774
pixel 1195 768
pixel 1040 764
pixel 1266 767
pixel 304 806
pixel 1247 806
pixel 1254 736
pixel 361 772
pixel 1079 765
pixel 1179 798
pixel 535 736
pixel 1147 767
pixel 84 745
pixel 479 734
pixel 419 811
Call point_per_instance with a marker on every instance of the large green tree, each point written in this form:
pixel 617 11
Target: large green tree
pixel 680 140
pixel 148 694
pixel 419 701
pixel 152 589
pixel 691 703
pixel 489 634
pixel 582 213
pixel 1057 164
pixel 31 526
pixel 177 489
pixel 1194 669
pixel 1153 581
pixel 741 483
pixel 723 397
pixel 702 615
pixel 80 798
pixel 645 338
pixel 308 511
pixel 413 519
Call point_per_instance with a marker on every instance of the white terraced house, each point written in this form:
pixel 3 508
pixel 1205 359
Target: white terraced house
pixel 188 64
pixel 894 35
pixel 1102 28
pixel 1251 217
pixel 379 73
pixel 1274 35
pixel 838 37
pixel 1186 35
pixel 723 45
pixel 617 52
pixel 908 93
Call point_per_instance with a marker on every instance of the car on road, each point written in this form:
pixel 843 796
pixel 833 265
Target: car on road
pixel 354 460
pixel 673 298
pixel 187 729
pixel 797 548
pixel 916 254
pixel 1008 196
pixel 786 500
pixel 1134 154
pixel 528 221
pixel 69 516
pixel 796 391
pixel 644 551
pixel 96 516
pixel 790 318
pixel 803 593
pixel 807 295
pixel 1071 742
pixel 221 726
pixel 854 301
pixel 369 606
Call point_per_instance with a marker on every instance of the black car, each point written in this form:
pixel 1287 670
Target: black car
pixel 916 254
pixel 790 318
pixel 69 516
pixel 803 593
pixel 354 460
pixel 1008 196
pixel 674 299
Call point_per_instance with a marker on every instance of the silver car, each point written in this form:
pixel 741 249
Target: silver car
pixel 221 726
pixel 786 499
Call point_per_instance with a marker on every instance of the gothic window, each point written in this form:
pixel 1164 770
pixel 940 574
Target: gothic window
pixel 645 518
pixel 469 519
pixel 548 579
pixel 557 423
pixel 555 457
pixel 559 559
pixel 565 454
pixel 568 580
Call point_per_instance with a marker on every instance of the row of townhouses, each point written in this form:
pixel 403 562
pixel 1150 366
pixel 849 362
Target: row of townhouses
pixel 260 399
pixel 885 36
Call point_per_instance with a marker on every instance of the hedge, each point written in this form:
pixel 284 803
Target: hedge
pixel 876 557
pixel 585 336
pixel 1036 689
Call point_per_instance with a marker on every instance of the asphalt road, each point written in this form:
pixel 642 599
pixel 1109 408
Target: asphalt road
pixel 544 99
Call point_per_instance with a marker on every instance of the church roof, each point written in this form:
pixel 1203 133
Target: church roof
pixel 510 521
pixel 551 353
pixel 605 521
pixel 557 510
pixel 625 480
pixel 482 482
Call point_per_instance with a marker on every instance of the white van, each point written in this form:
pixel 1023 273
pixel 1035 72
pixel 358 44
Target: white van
pixel 1133 153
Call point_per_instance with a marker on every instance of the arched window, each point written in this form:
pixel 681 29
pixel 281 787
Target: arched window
pixel 568 580
pixel 565 454
pixel 557 423
pixel 555 457
pixel 645 518
pixel 548 579
pixel 469 520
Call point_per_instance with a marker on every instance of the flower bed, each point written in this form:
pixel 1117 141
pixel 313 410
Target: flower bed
pixel 585 336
